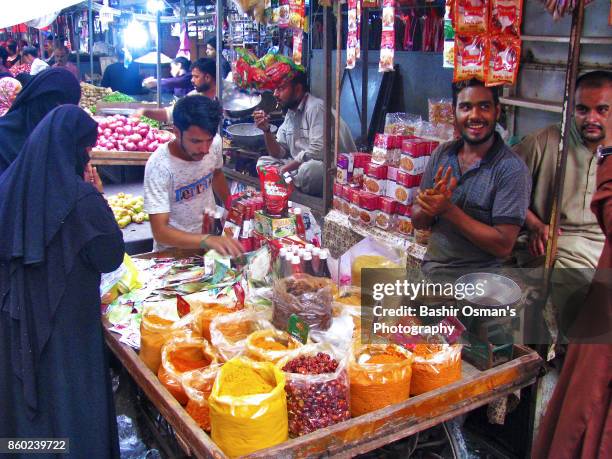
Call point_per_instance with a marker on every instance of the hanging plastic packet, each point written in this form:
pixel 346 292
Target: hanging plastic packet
pixel 470 57
pixel 471 16
pixel 387 42
pixel 358 47
pixel 298 38
pixel 506 17
pixel 275 191
pixel 283 14
pixel 503 56
pixel 351 41
pixel 297 11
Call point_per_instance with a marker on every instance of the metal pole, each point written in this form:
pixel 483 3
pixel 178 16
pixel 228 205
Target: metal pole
pixel 338 80
pixel 219 76
pixel 158 63
pixel 365 16
pixel 91 42
pixel 77 42
pixel 327 99
pixel 568 110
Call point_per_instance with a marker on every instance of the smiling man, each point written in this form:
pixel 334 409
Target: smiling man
pixel 475 191
pixel 180 178
pixel 581 240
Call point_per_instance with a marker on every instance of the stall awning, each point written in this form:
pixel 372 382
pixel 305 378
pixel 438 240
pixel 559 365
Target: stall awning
pixel 28 10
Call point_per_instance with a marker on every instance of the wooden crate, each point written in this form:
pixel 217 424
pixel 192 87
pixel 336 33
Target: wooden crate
pixel 358 435
pixel 119 158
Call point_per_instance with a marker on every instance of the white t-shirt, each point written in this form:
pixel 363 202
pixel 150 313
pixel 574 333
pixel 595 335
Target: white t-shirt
pixel 181 188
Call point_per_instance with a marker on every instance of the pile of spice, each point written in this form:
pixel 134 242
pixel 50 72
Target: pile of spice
pixel 239 381
pixel 435 365
pixel 198 386
pixel 270 345
pixel 380 376
pixel 317 393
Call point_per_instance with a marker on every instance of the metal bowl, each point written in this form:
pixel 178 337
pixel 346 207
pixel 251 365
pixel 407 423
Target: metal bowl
pixel 238 104
pixel 499 291
pixel 247 135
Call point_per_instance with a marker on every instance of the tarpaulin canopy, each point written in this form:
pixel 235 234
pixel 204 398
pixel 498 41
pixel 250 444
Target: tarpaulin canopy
pixel 27 10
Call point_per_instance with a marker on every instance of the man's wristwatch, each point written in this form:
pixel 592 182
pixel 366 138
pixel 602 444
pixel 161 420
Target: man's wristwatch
pixel 602 153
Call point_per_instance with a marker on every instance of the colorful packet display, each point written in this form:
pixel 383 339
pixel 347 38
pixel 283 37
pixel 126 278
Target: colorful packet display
pixel 298 38
pixel 275 191
pixel 503 56
pixel 506 16
pixel 283 14
pixel 471 16
pixel 470 56
pixel 351 41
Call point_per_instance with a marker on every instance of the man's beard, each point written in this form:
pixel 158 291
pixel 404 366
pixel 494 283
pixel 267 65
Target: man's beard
pixel 471 141
pixel 585 135
pixel 204 87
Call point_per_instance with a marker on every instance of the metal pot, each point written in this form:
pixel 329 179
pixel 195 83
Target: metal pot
pixel 237 104
pixel 247 136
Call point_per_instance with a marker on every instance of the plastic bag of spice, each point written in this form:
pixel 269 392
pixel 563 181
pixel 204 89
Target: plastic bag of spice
pixel 308 297
pixel 434 366
pixel 205 313
pixel 317 388
pixel 197 385
pixel 270 345
pixel 180 355
pixel 380 376
pixel 229 332
pixel 248 407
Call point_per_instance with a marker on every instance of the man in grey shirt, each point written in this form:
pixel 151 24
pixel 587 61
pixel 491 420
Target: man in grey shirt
pixel 298 144
pixel 475 191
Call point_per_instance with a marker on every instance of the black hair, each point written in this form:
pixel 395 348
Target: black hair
pixel 461 85
pixel 212 42
pixel 197 111
pixel 23 78
pixel 300 78
pixel 11 46
pixel 3 55
pixel 30 51
pixel 183 62
pixel 597 79
pixel 206 65
pixel 58 44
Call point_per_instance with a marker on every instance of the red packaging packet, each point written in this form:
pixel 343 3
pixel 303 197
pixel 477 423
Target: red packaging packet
pixel 387 42
pixel 470 57
pixel 506 16
pixel 275 190
pixel 503 57
pixel 298 38
pixel 471 16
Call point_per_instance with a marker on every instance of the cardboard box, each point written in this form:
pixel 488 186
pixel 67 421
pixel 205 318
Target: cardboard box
pixel 274 228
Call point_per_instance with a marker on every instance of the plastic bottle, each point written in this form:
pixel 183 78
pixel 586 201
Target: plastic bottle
pixel 296 265
pixel 218 224
pixel 316 262
pixel 308 268
pixel 281 261
pixel 324 268
pixel 299 223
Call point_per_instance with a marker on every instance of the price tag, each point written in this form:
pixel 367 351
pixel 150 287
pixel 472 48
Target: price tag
pixel 298 328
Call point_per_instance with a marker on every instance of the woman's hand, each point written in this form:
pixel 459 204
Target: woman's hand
pixel 91 175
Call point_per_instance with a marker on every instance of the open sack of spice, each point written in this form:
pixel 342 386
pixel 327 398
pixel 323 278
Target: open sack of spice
pixel 308 297
pixel 248 407
pixel 380 376
pixel 229 332
pixel 368 253
pixel 317 388
pixel 198 385
pixel 270 345
pixel 434 366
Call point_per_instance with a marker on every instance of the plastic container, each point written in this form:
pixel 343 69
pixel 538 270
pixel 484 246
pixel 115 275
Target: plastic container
pixel 404 221
pixel 375 180
pixel 385 215
pixel 368 207
pixel 354 204
pixel 407 187
pixel 434 366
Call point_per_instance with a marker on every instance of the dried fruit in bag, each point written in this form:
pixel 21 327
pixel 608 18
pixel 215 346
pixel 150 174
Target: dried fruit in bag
pixel 471 16
pixel 506 16
pixel 503 55
pixel 470 57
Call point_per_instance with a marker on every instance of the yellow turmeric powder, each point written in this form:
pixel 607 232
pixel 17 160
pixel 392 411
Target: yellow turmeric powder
pixel 269 344
pixel 239 380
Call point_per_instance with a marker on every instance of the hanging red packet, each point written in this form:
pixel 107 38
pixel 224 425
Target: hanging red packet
pixel 182 307
pixel 470 57
pixel 297 12
pixel 503 56
pixel 471 16
pixel 298 37
pixel 506 17
pixel 358 47
pixel 275 190
pixel 351 41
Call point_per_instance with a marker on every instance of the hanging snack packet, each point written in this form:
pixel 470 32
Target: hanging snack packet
pixel 469 57
pixel 503 55
pixel 471 16
pixel 275 191
pixel 351 42
pixel 297 11
pixel 387 51
pixel 283 14
pixel 358 47
pixel 506 17
pixel 298 37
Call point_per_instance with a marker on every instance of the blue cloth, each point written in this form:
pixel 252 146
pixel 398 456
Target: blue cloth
pixel 118 78
pixel 39 250
pixel 38 97
pixel 494 191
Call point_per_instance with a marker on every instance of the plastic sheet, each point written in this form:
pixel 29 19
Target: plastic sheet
pixel 243 424
pixel 130 445
pixel 315 401
pixel 377 385
pixel 308 297
pixel 434 366
pixel 286 344
pixel 402 123
pixel 229 332
pixel 198 385
pixel 180 355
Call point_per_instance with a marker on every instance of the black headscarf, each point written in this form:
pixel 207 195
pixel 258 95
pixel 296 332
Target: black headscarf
pixel 37 253
pixel 44 92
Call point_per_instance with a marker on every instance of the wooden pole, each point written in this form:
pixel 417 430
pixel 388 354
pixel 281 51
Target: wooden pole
pixel 327 100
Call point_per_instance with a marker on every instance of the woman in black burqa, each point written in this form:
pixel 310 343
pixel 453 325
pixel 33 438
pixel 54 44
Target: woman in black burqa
pixel 39 96
pixel 58 234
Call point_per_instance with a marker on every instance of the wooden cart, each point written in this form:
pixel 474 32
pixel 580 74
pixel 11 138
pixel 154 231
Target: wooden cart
pixel 119 158
pixel 358 435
